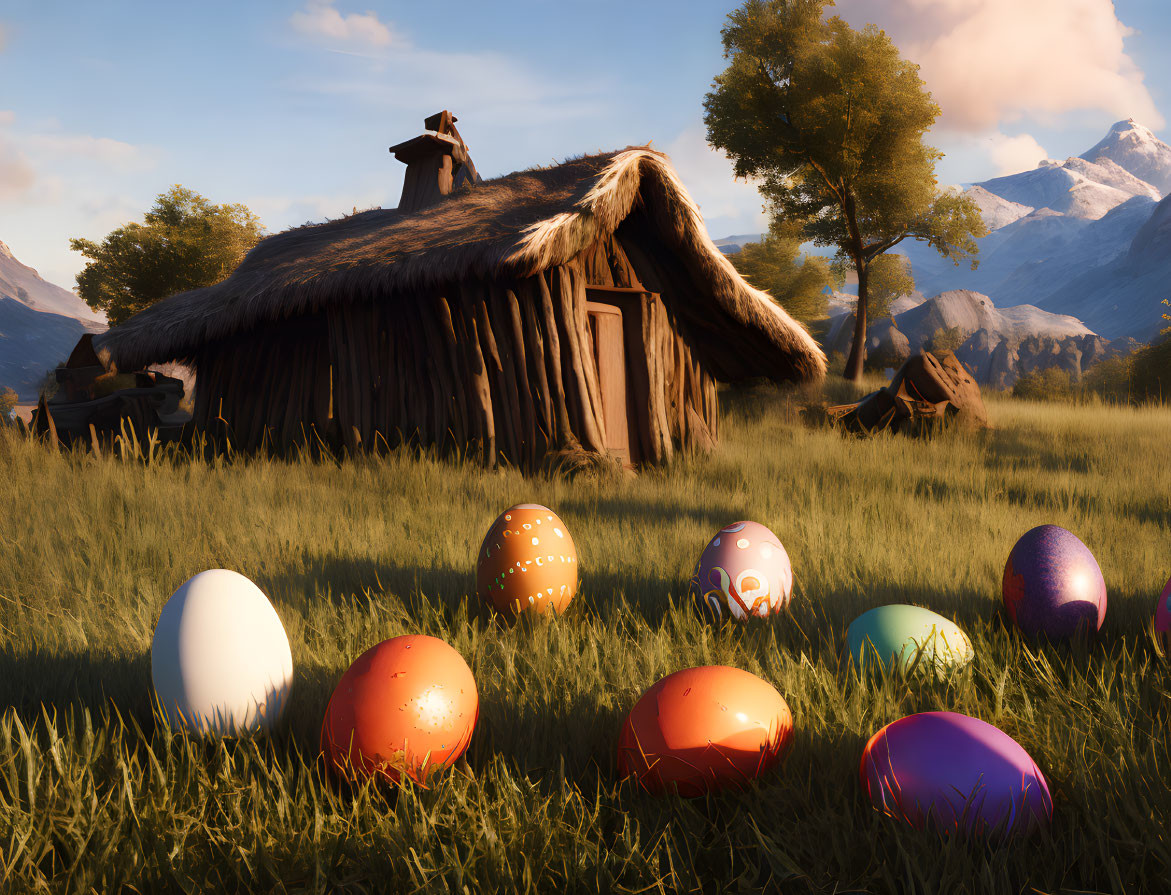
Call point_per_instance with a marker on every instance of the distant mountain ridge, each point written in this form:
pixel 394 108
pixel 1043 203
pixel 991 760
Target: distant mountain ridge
pixel 1096 244
pixel 31 344
pixel 23 283
pixel 39 325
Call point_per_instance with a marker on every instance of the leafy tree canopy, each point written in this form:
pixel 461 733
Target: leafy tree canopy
pixel 7 404
pixel 830 121
pixel 772 265
pixel 184 242
pixel 890 278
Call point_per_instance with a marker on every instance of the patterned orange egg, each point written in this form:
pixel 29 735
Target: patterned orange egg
pixel 527 562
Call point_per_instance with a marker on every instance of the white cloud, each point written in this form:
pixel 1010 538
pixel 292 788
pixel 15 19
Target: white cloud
pixel 280 212
pixel 17 176
pixel 7 116
pixel 504 91
pixel 113 153
pixel 1011 155
pixel 320 20
pixel 991 61
pixel 729 204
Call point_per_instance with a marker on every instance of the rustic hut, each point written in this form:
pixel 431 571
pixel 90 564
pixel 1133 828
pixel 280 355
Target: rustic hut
pixel 578 307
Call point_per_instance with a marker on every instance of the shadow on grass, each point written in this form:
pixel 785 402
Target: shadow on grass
pixel 603 511
pixel 57 681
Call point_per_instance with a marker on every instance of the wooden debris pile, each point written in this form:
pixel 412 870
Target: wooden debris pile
pixel 929 389
pixel 94 403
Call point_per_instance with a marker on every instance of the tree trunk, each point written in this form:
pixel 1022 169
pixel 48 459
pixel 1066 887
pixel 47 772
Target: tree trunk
pixel 858 347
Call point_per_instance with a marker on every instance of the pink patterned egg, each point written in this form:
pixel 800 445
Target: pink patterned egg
pixel 743 572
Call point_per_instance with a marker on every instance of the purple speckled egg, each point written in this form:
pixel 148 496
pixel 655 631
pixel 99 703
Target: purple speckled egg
pixel 1052 584
pixel 1163 617
pixel 744 571
pixel 958 773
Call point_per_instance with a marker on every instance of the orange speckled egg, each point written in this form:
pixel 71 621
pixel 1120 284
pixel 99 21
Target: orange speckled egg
pixel 407 705
pixel 527 562
pixel 704 729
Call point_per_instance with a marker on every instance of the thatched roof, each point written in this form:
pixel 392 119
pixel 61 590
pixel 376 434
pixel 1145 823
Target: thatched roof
pixel 512 226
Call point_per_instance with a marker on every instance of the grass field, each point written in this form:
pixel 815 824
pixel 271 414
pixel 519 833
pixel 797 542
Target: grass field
pixel 94 798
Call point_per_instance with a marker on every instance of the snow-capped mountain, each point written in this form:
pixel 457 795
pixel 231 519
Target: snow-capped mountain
pixel 1096 243
pixel 1075 187
pixel 1135 148
pixel 995 211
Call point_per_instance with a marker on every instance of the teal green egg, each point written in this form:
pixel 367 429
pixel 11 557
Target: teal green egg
pixel 899 634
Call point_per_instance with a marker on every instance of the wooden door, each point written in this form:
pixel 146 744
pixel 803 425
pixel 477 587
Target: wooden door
pixel 609 348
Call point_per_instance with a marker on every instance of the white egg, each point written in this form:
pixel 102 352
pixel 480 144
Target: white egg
pixel 220 658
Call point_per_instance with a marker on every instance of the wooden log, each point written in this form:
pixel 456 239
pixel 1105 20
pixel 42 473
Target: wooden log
pixel 529 301
pixel 639 378
pixel 562 435
pixel 457 364
pixel 479 401
pixel 480 377
pixel 424 421
pixel 524 379
pixel 585 346
pixel 506 443
pixel 577 396
pixel 439 383
pixel 500 320
pixel 343 385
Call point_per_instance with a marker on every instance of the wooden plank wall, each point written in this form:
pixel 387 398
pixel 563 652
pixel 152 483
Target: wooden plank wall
pixel 504 370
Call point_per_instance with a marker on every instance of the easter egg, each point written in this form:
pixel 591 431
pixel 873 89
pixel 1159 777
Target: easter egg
pixel 220 659
pixel 704 729
pixel 527 562
pixel 957 773
pixel 743 572
pixel 1052 584
pixel 900 635
pixel 1163 617
pixel 406 706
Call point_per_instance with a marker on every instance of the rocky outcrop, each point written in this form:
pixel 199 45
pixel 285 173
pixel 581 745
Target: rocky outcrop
pixel 886 346
pixel 999 363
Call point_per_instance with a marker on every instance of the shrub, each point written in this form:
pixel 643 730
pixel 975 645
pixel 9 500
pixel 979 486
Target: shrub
pixel 1151 379
pixel 946 339
pixel 1049 384
pixel 7 405
pixel 1110 379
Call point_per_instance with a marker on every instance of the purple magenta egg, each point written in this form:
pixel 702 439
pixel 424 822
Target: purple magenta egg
pixel 744 571
pixel 1052 584
pixel 1163 617
pixel 955 772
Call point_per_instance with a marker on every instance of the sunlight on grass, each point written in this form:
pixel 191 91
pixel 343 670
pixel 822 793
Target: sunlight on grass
pixel 92 795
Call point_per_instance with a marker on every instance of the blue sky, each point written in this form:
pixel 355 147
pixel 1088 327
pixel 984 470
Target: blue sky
pixel 289 107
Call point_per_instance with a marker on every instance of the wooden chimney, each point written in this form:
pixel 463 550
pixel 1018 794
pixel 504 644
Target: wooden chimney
pixel 437 163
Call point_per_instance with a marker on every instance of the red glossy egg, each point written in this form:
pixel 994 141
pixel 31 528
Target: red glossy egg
pixel 704 729
pixel 406 706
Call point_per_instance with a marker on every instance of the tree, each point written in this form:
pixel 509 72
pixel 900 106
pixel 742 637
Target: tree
pixel 7 405
pixel 949 339
pixel 183 243
pixel 771 265
pixel 830 122
pixel 890 278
